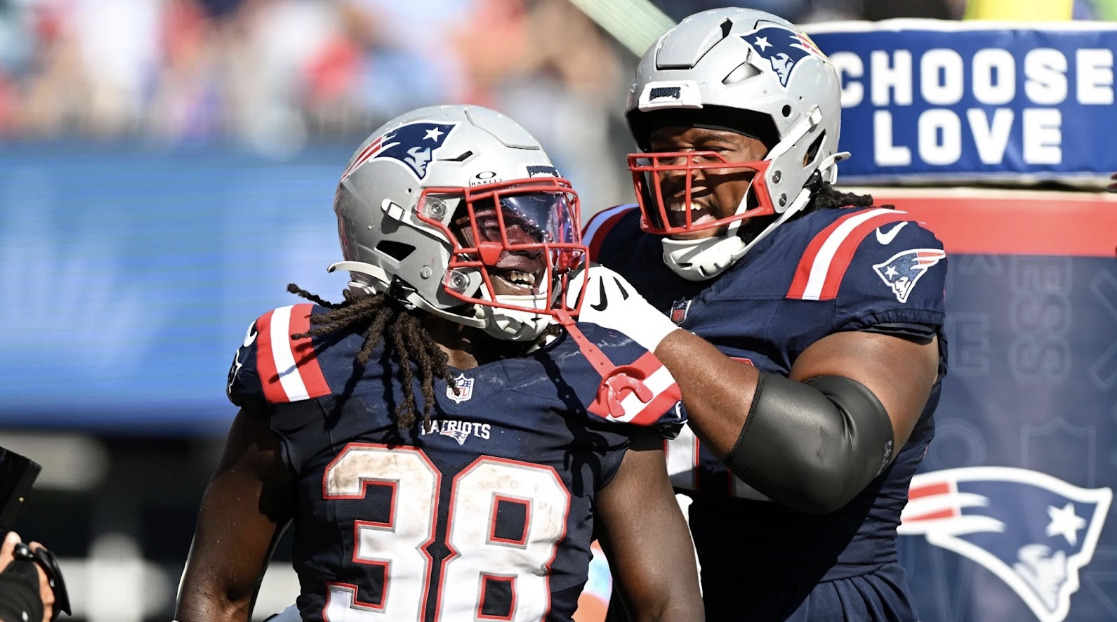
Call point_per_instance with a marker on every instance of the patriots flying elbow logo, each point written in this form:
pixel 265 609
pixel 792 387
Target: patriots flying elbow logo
pixel 1032 530
pixel 783 48
pixel 903 270
pixel 412 145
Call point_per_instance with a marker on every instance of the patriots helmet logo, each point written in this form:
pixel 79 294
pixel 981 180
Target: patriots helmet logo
pixel 783 48
pixel 1032 530
pixel 902 271
pixel 412 145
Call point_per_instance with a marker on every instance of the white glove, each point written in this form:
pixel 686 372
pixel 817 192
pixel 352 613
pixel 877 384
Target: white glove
pixel 612 302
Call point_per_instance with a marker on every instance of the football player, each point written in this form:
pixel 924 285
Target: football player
pixel 804 325
pixel 443 440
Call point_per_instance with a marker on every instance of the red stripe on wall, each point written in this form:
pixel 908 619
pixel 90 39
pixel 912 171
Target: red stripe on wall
pixel 1016 223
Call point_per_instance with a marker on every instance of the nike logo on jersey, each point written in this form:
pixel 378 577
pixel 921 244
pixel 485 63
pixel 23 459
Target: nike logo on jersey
pixel 886 238
pixel 603 301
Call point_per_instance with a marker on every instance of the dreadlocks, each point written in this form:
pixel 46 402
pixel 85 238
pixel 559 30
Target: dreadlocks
pixel 385 318
pixel 826 196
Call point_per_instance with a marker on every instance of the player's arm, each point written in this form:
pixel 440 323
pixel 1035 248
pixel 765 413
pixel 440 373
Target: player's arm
pixel 645 536
pixel 814 440
pixel 246 506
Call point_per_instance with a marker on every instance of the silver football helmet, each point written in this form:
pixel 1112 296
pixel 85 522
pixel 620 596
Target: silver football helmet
pixel 457 210
pixel 747 71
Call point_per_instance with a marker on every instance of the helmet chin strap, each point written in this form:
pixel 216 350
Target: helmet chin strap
pixel 514 324
pixel 706 258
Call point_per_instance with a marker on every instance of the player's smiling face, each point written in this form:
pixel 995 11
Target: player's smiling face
pixel 516 273
pixel 715 193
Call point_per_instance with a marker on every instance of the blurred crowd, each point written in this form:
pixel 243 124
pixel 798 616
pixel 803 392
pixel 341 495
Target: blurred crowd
pixel 278 70
pixel 277 74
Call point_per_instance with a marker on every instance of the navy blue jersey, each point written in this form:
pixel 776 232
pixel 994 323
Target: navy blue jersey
pixel 488 513
pixel 827 271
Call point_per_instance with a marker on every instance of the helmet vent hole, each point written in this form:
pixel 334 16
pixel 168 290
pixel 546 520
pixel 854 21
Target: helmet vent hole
pixel 812 151
pixel 726 26
pixel 462 158
pixel 395 250
pixel 786 111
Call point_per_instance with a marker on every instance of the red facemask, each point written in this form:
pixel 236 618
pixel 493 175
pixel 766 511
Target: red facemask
pixel 647 169
pixel 534 231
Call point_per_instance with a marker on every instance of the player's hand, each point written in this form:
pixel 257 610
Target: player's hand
pixel 7 558
pixel 612 302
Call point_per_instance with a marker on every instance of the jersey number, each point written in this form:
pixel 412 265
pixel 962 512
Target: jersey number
pixel 480 558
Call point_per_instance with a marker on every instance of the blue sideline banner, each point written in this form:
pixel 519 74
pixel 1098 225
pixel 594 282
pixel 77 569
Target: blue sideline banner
pixel 927 100
pixel 1011 517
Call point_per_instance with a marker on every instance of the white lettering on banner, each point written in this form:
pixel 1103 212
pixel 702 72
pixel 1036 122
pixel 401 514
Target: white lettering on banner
pixel 1095 76
pixel 994 76
pixel 1043 136
pixel 891 73
pixel 940 134
pixel 991 138
pixel 940 137
pixel 884 152
pixel 849 64
pixel 987 78
pixel 942 74
pixel 1045 76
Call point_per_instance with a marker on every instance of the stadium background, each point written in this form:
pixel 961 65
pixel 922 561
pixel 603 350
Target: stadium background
pixel 167 167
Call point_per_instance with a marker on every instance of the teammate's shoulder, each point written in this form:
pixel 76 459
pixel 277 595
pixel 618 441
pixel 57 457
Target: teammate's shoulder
pixel 848 241
pixel 279 361
pixel 618 224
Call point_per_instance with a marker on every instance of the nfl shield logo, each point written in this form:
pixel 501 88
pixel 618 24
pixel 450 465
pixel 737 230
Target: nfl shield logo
pixel 679 310
pixel 465 389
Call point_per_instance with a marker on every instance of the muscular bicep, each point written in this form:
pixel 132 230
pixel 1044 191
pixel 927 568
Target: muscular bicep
pixel 645 536
pixel 900 373
pixel 247 504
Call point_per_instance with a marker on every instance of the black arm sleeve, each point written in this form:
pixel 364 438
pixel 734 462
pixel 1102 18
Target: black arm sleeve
pixel 812 445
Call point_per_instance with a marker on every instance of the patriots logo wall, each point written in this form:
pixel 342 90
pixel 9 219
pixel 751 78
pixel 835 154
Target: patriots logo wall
pixel 412 145
pixel 1033 531
pixel 783 48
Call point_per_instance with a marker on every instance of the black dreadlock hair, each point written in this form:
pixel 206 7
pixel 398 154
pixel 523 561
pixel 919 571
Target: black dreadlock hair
pixel 824 195
pixel 384 317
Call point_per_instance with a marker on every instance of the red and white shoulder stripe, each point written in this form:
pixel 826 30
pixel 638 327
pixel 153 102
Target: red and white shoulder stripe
pixel 644 405
pixel 600 224
pixel 824 263
pixel 289 370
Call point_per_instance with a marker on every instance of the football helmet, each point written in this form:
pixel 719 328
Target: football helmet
pixel 458 211
pixel 747 71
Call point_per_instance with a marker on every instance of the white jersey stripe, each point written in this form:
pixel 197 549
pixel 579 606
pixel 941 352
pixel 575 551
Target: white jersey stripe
pixel 658 382
pixel 289 377
pixel 601 218
pixel 821 266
